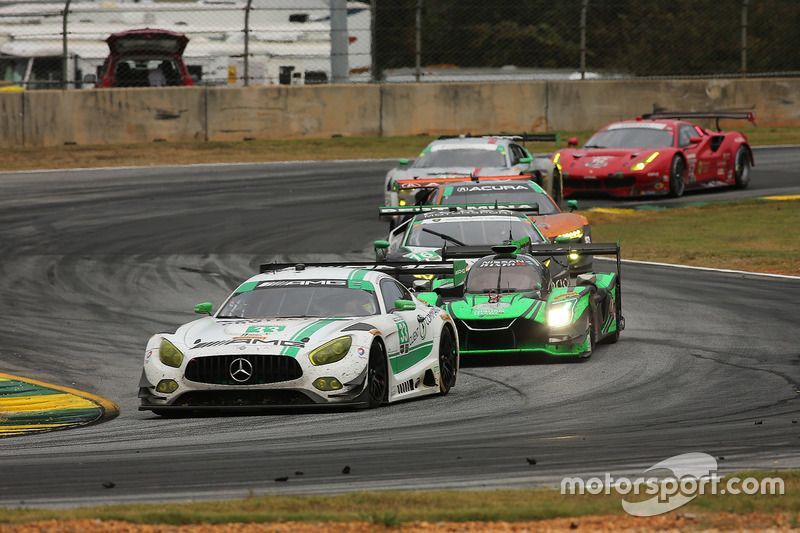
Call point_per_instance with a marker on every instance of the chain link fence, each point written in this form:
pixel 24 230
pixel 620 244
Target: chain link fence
pixel 77 44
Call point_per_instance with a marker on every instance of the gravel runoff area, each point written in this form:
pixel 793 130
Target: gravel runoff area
pixel 671 522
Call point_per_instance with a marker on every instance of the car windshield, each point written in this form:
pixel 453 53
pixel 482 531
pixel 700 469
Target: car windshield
pixel 504 194
pixel 469 232
pixel 300 301
pixel 504 275
pixel 630 138
pixel 461 157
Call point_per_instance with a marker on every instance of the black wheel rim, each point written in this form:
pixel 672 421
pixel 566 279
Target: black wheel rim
pixel 377 376
pixel 447 361
pixel 678 178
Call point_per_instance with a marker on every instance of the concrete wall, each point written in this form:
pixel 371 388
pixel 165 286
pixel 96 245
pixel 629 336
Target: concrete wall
pixel 116 116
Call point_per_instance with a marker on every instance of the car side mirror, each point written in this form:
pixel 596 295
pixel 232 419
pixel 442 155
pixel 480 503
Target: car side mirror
pixel 381 249
pixel 203 308
pixel 562 240
pixel 573 141
pixel 405 305
pixel 525 159
pixel 695 140
pixel 572 204
pixel 404 162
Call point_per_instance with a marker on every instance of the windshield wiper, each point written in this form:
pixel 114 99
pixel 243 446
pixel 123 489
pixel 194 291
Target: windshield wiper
pixel 443 236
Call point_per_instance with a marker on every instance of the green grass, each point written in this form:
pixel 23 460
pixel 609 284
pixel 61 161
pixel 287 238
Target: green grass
pixel 754 235
pixel 394 508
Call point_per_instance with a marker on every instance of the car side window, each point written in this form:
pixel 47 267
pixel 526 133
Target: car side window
pixel 391 291
pixel 685 132
pixel 517 153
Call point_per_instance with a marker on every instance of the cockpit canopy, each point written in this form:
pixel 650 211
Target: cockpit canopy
pixel 506 274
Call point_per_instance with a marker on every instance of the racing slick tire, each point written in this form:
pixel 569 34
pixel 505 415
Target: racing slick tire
pixel 741 169
pixel 677 177
pixel 448 366
pixel 377 375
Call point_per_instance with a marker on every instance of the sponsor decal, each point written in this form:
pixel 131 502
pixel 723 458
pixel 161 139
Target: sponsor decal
pixel 487 312
pixel 489 188
pixel 598 161
pixel 265 329
pixel 147 356
pixel 571 294
pixel 504 263
pixel 302 283
pixel 640 125
pixel 249 341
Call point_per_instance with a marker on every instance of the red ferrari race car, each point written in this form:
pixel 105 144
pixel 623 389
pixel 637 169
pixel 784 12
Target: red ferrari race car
pixel 657 154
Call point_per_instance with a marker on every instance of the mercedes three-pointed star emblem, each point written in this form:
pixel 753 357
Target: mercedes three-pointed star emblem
pixel 241 369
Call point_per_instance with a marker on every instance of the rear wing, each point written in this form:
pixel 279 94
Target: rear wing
pixel 392 211
pixel 394 269
pixel 439 179
pixel 519 137
pixel 750 116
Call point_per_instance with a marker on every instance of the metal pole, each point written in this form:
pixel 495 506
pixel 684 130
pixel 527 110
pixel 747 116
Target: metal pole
pixel 247 43
pixel 339 41
pixel 64 47
pixel 584 6
pixel 372 34
pixel 418 40
pixel 744 37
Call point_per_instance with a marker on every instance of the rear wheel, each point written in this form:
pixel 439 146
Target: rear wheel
pixel 448 365
pixel 741 171
pixel 677 177
pixel 377 375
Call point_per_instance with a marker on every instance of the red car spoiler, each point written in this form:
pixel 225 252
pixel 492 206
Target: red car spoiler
pixel 750 116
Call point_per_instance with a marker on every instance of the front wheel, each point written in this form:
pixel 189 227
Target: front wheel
pixel 741 171
pixel 377 375
pixel 677 177
pixel 448 363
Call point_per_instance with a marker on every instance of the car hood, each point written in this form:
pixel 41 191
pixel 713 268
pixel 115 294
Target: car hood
pixel 557 224
pixel 147 41
pixel 602 161
pixel 509 306
pixel 285 336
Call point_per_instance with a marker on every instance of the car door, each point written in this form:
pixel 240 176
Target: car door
pixel 699 156
pixel 413 340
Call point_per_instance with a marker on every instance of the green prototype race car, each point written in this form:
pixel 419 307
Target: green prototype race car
pixel 508 302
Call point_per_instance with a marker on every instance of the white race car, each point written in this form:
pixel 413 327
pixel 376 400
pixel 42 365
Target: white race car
pixel 303 336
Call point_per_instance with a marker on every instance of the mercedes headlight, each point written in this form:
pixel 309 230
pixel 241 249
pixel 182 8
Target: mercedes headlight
pixel 169 354
pixel 330 352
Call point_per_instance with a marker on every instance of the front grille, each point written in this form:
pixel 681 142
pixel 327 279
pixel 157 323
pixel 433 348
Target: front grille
pixel 489 324
pixel 258 369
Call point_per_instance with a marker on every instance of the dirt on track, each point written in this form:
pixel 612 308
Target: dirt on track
pixel 672 522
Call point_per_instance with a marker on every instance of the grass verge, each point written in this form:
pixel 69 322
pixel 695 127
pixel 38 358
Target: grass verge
pixel 753 235
pixel 394 508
